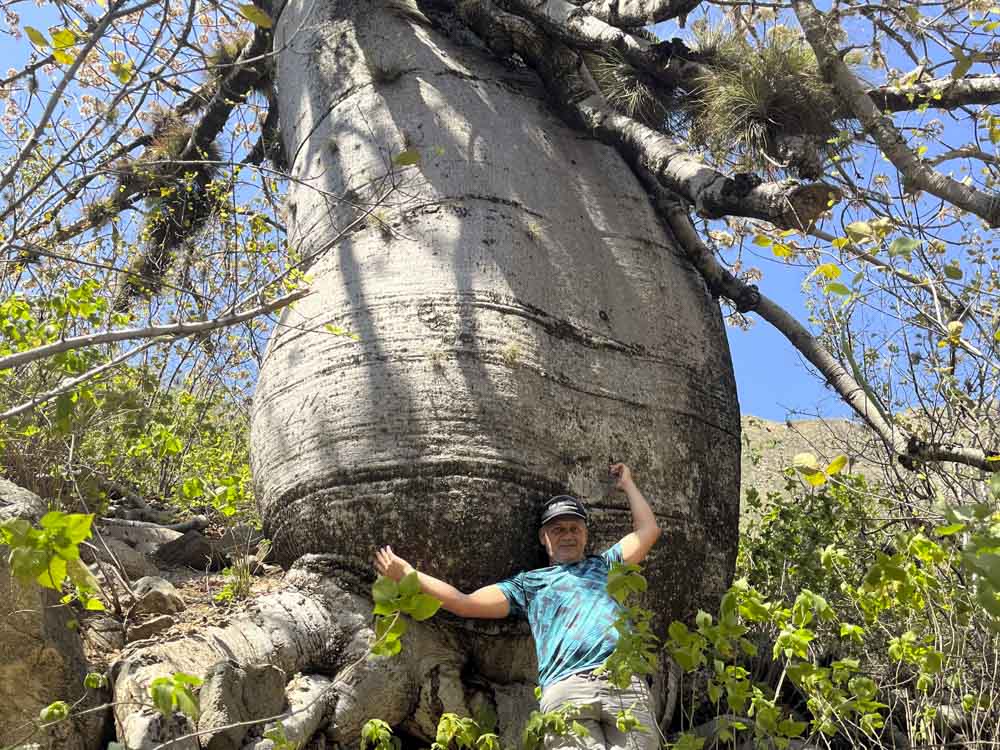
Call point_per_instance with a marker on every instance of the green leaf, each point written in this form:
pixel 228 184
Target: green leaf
pixel 837 288
pixel 952 271
pixel 385 590
pixel 54 573
pixel 903 246
pixel 255 15
pixel 950 529
pixel 859 231
pixel 57 711
pixel 182 678
pixel 407 158
pixel 962 62
pixel 123 71
pixel 94 680
pixel 162 693
pixel 409 585
pixel 836 465
pixel 63 39
pixel 187 704
pixel 423 607
pixel 37 38
pixel 762 240
pixel 63 57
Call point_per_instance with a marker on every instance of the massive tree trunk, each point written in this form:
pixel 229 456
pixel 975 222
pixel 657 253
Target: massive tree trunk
pixel 523 318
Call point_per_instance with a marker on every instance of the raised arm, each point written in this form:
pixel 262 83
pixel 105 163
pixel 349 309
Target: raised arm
pixel 485 603
pixel 645 530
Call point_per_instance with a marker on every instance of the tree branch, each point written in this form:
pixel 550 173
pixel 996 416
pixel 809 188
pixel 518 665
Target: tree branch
pixel 746 297
pixel 939 93
pixel 714 194
pixel 177 330
pixel 636 13
pixel 68 385
pixel 917 175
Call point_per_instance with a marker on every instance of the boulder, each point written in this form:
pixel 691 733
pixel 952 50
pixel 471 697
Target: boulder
pixel 149 628
pixel 233 694
pixel 191 550
pixel 146 539
pixel 134 564
pixel 157 596
pixel 41 651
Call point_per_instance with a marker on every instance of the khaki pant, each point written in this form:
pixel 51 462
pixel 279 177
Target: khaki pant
pixel 598 703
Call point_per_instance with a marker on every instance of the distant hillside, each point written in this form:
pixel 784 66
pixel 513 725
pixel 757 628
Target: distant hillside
pixel 768 448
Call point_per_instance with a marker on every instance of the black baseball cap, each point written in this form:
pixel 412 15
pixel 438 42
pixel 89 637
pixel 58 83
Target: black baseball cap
pixel 563 505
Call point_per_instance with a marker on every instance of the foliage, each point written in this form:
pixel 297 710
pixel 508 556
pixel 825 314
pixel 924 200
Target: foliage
pixel 175 693
pixel 50 554
pixel 239 576
pixel 635 650
pixel 392 601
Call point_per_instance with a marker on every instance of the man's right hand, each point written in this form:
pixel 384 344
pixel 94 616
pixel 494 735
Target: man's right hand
pixel 391 565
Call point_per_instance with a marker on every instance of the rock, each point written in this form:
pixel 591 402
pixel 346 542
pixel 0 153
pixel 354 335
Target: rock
pixel 103 634
pixel 146 539
pixel 157 596
pixel 41 652
pixel 135 564
pixel 232 694
pixel 149 628
pixel 192 550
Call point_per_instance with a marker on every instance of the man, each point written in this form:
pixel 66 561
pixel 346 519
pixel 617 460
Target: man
pixel 570 614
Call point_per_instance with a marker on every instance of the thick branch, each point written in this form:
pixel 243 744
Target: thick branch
pixel 917 175
pixel 940 93
pixel 176 330
pixel 574 26
pixel 633 13
pixel 747 297
pixel 714 194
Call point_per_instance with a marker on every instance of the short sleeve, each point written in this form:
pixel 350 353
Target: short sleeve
pixel 513 589
pixel 613 554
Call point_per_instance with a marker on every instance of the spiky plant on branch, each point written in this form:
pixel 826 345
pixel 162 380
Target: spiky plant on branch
pixel 765 104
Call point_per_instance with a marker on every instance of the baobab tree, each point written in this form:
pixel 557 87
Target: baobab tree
pixel 491 208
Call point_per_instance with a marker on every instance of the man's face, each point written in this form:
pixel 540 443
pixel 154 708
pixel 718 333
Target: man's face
pixel 564 538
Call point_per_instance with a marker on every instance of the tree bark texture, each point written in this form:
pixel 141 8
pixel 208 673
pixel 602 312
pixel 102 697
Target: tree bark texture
pixel 522 318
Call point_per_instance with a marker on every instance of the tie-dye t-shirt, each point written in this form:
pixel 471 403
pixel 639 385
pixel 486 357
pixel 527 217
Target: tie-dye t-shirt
pixel 570 613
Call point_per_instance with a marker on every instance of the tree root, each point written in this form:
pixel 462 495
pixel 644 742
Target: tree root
pixel 315 625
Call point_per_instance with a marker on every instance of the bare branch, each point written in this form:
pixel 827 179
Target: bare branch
pixel 748 298
pixel 68 385
pixel 917 175
pixel 940 93
pixel 176 330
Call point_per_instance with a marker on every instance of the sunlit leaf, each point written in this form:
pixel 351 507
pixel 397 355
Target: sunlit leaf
pixel 255 15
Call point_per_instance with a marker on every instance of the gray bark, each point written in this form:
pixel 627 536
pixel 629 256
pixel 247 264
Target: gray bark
pixel 523 318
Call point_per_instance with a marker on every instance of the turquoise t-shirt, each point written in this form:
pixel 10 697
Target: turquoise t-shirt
pixel 570 613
